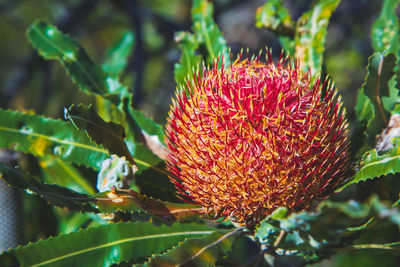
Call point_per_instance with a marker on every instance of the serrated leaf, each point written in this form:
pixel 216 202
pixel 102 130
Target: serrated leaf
pixel 374 165
pixel 111 201
pixel 55 45
pixel 106 244
pixel 43 136
pixel 274 16
pixel 385 30
pixel 54 194
pixel 188 44
pixel 131 201
pixel 207 31
pixel 310 35
pixel 315 234
pixel 57 171
pixel 118 55
pixel 204 251
pixel 108 134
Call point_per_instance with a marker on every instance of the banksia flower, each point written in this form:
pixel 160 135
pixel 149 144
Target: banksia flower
pixel 248 138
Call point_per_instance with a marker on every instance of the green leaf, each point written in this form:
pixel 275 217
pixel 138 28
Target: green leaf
pixel 127 201
pixel 54 194
pixel 132 202
pixel 118 55
pixel 108 134
pixel 106 244
pixel 54 45
pixel 365 112
pixel 274 16
pixel 376 86
pixel 310 35
pixel 147 124
pixel 43 136
pixel 374 165
pixel 150 133
pixel 57 171
pixel 385 31
pixel 207 31
pixel 204 251
pixel 313 235
pixel 190 60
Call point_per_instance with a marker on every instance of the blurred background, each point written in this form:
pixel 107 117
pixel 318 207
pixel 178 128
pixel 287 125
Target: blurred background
pixel 27 82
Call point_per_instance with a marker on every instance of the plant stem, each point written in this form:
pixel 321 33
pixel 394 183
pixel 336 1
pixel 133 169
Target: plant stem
pixel 378 98
pixel 279 238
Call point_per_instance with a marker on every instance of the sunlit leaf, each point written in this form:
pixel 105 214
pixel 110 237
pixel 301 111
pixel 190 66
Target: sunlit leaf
pixel 118 55
pixel 385 31
pixel 55 45
pixel 106 244
pixel 57 171
pixel 374 165
pixel 43 136
pixel 207 31
pixel 188 44
pixel 274 16
pixel 310 35
pixel 204 251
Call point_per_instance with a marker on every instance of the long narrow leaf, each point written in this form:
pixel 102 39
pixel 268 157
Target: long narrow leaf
pixel 117 56
pixel 57 171
pixel 55 45
pixel 204 251
pixel 54 194
pixel 126 201
pixel 131 202
pixel 208 32
pixel 310 35
pixel 43 136
pixel 106 244
pixel 183 70
pixel 108 134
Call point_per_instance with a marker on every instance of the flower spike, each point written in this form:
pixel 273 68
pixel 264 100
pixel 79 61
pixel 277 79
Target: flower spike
pixel 255 136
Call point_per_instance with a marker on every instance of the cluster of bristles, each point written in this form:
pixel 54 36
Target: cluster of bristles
pixel 251 137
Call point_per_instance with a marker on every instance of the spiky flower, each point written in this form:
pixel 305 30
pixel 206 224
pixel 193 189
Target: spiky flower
pixel 248 138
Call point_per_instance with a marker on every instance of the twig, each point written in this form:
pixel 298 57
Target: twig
pixel 279 238
pixel 389 246
pixel 137 60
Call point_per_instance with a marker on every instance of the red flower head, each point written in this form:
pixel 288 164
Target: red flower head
pixel 248 138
